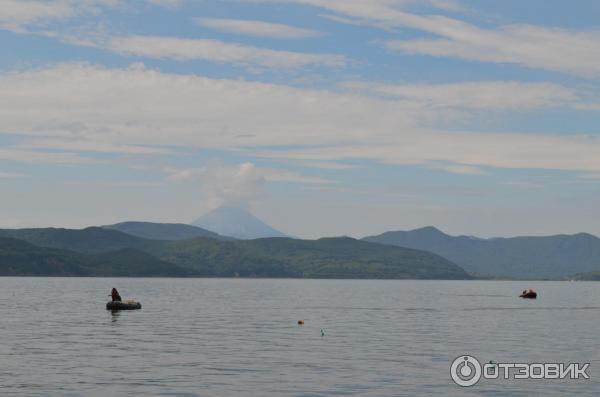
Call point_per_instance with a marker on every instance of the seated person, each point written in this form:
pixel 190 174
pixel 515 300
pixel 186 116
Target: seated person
pixel 115 295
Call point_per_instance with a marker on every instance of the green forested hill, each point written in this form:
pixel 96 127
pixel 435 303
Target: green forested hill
pixel 164 231
pixel 541 257
pixel 20 258
pixel 324 258
pixel 89 240
pixel 100 252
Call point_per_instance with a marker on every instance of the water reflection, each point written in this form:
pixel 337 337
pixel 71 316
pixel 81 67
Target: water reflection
pixel 115 314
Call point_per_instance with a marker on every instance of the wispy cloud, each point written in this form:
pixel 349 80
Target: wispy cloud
pixel 138 106
pixel 457 169
pixel 243 170
pixel 141 108
pixel 587 106
pixel 257 28
pixel 237 185
pixel 537 47
pixel 218 51
pixel 115 184
pixel 17 15
pixel 325 165
pixel 557 49
pixel 594 176
pixel 491 95
pixel 220 184
pixel 14 14
pixel 43 157
pixel 167 3
pixel 278 175
pixel 523 184
pixel 85 145
pixel 12 175
pixel 497 150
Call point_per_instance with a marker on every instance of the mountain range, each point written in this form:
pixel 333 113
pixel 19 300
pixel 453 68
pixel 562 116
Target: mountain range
pixel 98 251
pixel 155 249
pixel 545 257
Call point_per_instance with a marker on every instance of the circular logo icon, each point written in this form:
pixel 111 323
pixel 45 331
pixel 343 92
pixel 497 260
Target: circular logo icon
pixel 465 371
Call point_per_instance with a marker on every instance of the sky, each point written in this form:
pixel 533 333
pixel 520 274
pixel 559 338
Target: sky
pixel 322 117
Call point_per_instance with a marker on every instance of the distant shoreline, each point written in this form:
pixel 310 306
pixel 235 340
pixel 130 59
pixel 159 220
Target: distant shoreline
pixel 143 249
pixel 301 278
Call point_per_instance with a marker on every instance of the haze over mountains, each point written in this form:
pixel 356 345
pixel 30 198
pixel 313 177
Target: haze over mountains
pixel 236 222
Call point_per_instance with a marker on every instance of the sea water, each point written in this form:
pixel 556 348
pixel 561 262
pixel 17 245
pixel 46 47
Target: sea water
pixel 240 337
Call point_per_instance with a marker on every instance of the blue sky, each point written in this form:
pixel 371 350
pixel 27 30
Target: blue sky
pixel 324 117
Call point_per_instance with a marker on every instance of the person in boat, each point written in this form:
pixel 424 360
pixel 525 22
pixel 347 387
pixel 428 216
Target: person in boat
pixel 115 295
pixel 529 293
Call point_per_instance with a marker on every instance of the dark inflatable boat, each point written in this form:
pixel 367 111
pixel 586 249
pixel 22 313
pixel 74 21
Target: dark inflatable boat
pixel 128 305
pixel 528 294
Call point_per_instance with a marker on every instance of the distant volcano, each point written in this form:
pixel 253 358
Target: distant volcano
pixel 237 223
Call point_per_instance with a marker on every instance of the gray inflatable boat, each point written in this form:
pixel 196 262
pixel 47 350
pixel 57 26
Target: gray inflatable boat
pixel 128 305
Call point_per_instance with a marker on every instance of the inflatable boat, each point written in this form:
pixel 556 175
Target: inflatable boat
pixel 127 305
pixel 528 294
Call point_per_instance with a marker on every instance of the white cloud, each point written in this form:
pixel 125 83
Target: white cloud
pixel 218 51
pixel 492 95
pixel 256 28
pixel 12 175
pixel 523 184
pixel 244 170
pixel 449 5
pixel 137 107
pixel 239 185
pixel 557 49
pixel 326 165
pixel 277 175
pixel 236 186
pixel 595 176
pixel 42 157
pixel 471 149
pixel 114 184
pixel 166 3
pixel 563 50
pixel 16 15
pixel 531 46
pixel 84 145
pixel 587 106
pixel 457 169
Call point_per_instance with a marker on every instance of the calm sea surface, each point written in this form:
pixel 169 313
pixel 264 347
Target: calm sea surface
pixel 217 337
